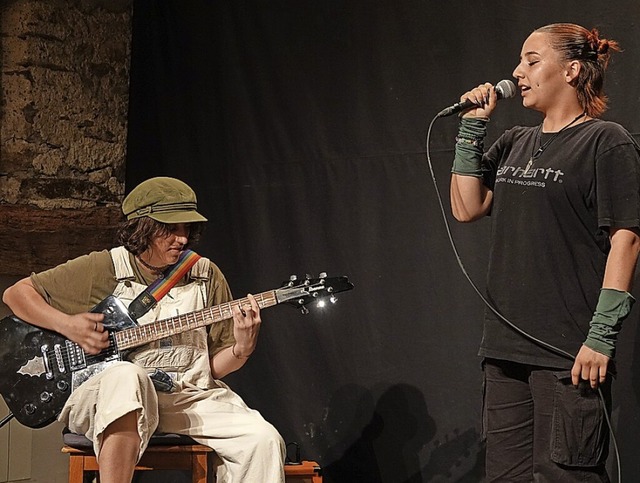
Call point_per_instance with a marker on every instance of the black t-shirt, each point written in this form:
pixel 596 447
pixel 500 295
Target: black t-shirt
pixel 550 234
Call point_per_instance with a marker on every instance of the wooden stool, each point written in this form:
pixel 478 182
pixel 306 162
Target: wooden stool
pixel 190 457
pixel 169 452
pixel 306 471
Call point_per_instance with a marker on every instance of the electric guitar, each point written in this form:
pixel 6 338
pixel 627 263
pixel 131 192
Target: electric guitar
pixel 39 368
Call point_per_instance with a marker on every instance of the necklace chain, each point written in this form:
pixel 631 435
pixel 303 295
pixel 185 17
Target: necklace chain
pixel 154 269
pixel 536 154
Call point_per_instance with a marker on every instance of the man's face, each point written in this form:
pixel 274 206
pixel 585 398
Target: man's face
pixel 165 250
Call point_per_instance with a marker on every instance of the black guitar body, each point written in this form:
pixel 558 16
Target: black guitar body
pixel 35 400
pixel 39 368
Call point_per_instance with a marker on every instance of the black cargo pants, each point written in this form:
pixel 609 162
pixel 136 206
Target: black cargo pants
pixel 539 427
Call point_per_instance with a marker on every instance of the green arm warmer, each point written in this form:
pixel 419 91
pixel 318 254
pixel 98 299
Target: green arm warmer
pixel 469 147
pixel 613 306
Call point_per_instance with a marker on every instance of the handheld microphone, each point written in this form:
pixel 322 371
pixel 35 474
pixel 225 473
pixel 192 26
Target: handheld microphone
pixel 504 90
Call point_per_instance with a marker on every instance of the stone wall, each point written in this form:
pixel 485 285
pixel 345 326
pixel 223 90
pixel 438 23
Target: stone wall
pixel 63 115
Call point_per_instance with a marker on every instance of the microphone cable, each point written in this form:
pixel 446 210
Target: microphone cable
pixel 493 309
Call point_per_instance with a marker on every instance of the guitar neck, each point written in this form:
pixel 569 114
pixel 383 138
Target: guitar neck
pixel 143 334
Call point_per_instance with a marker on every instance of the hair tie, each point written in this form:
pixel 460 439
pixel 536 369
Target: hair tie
pixel 603 47
pixel 592 45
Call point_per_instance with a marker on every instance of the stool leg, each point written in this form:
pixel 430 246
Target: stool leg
pixel 76 469
pixel 199 467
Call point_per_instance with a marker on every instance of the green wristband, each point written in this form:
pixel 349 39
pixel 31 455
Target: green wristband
pixel 613 307
pixel 473 126
pixel 469 147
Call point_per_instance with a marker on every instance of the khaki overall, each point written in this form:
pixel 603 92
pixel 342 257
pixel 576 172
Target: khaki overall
pixel 249 448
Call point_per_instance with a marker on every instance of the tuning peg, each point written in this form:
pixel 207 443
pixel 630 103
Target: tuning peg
pixel 293 278
pixel 333 299
pixel 322 275
pixel 304 310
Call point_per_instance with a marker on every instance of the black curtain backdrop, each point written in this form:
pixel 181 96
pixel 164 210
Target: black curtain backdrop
pixel 301 125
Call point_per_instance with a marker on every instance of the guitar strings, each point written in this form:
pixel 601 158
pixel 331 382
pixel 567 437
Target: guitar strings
pixel 150 330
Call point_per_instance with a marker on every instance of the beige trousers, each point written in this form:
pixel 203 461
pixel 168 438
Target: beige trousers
pixel 250 448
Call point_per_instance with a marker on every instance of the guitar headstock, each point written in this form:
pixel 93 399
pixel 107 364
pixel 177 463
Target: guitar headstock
pixel 300 293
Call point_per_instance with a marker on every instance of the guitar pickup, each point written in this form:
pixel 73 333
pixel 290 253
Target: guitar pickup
pixel 76 356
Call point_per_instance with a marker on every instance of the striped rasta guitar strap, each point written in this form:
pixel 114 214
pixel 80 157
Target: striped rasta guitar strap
pixel 158 289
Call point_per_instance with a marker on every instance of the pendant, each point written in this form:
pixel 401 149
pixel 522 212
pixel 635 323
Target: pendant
pixel 529 164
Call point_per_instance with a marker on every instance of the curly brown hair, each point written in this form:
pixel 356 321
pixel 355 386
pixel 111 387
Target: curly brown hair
pixel 137 235
pixel 574 42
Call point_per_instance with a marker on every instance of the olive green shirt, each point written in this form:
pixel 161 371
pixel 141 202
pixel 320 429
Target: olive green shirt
pixel 80 284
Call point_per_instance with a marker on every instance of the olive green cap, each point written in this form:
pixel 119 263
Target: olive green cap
pixel 163 199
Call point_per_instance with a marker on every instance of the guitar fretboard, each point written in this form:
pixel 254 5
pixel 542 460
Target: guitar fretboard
pixel 137 336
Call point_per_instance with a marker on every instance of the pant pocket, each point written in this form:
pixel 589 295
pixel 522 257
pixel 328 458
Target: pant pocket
pixel 578 429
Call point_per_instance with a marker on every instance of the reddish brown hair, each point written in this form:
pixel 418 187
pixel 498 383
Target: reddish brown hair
pixel 574 42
